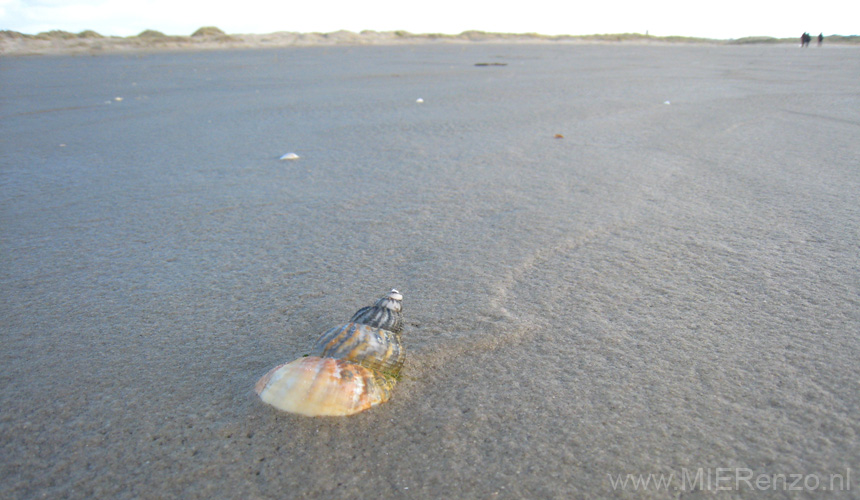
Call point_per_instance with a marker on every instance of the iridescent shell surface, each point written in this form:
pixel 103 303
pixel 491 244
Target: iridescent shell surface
pixel 314 386
pixel 372 348
pixel 351 367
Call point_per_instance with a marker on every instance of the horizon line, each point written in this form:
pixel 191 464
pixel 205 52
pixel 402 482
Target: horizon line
pixel 404 33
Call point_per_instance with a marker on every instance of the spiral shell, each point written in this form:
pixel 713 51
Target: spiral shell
pixel 372 348
pixel 351 367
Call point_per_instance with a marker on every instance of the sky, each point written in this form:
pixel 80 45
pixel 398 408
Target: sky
pixel 702 18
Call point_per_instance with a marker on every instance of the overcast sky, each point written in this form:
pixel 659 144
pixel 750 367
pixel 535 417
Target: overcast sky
pixel 724 19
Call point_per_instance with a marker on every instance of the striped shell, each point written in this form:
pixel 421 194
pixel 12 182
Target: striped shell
pixel 351 367
pixel 373 348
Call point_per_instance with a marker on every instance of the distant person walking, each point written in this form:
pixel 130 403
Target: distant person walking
pixel 805 39
pixel 820 38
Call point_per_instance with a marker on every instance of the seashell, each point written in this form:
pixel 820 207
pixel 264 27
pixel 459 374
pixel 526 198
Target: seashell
pixel 314 386
pixel 351 367
pixel 385 313
pixel 373 348
pixel 290 156
pixel 419 100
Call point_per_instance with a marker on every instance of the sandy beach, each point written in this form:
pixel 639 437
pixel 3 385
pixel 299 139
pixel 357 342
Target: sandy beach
pixel 672 287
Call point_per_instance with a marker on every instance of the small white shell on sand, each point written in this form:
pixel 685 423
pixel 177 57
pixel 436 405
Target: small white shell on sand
pixel 117 99
pixel 290 156
pixel 419 100
pixel 666 102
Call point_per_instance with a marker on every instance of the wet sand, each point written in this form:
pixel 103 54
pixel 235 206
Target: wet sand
pixel 671 286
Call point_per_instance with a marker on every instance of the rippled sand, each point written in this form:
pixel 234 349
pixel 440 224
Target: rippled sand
pixel 672 285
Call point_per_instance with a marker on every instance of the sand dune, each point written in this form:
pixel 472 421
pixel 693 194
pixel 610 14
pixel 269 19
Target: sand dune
pixel 207 38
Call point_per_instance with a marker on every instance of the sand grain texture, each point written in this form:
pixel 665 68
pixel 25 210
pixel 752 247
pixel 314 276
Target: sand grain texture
pixel 669 286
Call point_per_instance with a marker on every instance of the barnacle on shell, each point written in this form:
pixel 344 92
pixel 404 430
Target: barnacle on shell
pixel 351 367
